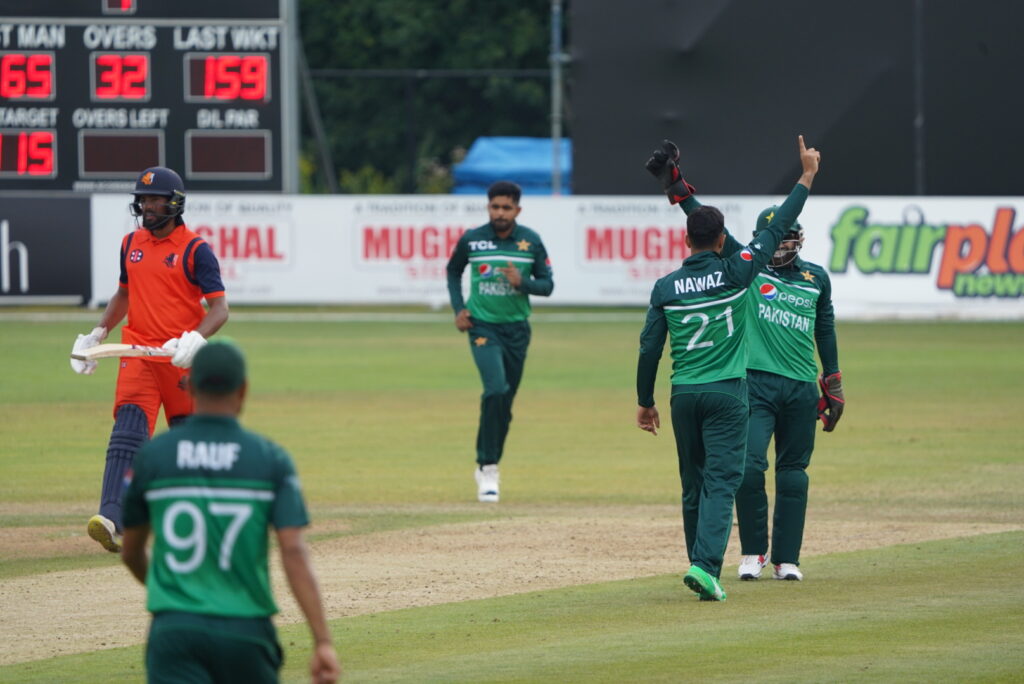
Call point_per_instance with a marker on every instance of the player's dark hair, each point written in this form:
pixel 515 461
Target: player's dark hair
pixel 704 227
pixel 505 189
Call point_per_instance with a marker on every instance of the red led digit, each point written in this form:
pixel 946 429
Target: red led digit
pixel 27 76
pixel 39 76
pixel 40 153
pixel 134 76
pixel 108 76
pixel 12 78
pixel 254 77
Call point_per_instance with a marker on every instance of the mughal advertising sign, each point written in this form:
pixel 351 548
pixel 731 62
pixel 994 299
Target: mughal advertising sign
pixel 887 257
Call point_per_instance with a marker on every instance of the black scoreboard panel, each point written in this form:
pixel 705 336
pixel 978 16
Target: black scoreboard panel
pixel 203 87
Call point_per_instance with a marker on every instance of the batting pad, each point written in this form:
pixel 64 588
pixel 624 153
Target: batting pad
pixel 131 430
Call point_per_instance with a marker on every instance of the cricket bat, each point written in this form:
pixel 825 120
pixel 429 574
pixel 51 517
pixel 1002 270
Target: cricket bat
pixel 106 351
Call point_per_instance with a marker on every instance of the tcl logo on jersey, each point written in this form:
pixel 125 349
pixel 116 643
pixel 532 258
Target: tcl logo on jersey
pixel 475 245
pixel 769 291
pixel 485 270
pixel 746 255
pixel 135 256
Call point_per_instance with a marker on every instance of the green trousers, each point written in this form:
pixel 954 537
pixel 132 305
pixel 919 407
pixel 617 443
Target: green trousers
pixel 710 425
pixel 788 409
pixel 185 648
pixel 499 351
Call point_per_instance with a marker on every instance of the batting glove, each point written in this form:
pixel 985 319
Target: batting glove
pixel 185 348
pixel 664 165
pixel 83 342
pixel 832 401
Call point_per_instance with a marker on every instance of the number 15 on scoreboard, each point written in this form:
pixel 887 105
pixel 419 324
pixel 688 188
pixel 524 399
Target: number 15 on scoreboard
pixel 27 153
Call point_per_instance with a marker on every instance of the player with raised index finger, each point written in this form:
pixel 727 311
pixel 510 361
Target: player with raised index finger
pixel 703 309
pixel 791 304
pixel 166 273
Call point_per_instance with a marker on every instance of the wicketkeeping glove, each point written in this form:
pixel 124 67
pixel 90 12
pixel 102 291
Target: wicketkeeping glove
pixel 832 401
pixel 185 348
pixel 664 165
pixel 97 335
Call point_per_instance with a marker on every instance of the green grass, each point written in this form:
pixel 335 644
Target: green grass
pixel 381 419
pixel 940 611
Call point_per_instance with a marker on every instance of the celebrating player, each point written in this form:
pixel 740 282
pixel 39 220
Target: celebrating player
pixel 792 308
pixel 702 307
pixel 166 271
pixel 209 490
pixel 509 264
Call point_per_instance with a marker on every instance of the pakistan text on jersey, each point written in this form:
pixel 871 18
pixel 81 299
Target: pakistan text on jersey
pixel 699 283
pixel 784 318
pixel 496 288
pixel 208 455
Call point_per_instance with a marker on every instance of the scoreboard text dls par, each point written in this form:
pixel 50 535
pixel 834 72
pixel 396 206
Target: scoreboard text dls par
pixel 202 86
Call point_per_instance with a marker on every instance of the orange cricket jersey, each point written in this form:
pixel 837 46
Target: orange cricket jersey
pixel 166 280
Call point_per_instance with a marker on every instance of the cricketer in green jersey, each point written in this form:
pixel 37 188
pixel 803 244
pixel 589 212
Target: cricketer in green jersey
pixel 209 490
pixel 702 308
pixel 508 263
pixel 791 306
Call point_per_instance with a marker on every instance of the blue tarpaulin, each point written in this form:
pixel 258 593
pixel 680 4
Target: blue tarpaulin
pixel 526 161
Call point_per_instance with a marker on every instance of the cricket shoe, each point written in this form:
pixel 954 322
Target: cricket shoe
pixel 750 567
pixel 103 530
pixel 788 571
pixel 487 483
pixel 703 584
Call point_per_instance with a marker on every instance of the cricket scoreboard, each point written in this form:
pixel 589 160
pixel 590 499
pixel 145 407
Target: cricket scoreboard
pixel 94 91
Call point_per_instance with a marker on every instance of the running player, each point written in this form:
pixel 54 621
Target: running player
pixel 166 272
pixel 702 307
pixel 509 263
pixel 209 490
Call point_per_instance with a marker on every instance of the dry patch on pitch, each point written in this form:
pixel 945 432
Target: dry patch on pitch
pixel 527 549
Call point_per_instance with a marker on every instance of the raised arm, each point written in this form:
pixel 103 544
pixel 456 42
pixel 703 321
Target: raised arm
pixel 663 164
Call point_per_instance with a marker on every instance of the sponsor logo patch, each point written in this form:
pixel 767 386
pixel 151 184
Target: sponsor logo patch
pixel 135 256
pixel 769 291
pixel 485 271
pixel 147 178
pixel 746 255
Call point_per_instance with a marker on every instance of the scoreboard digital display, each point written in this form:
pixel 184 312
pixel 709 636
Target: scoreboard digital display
pixel 94 91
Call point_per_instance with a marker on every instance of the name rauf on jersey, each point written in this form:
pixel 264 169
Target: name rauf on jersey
pixel 699 283
pixel 208 455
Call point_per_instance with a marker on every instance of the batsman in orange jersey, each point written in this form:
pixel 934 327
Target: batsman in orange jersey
pixel 166 272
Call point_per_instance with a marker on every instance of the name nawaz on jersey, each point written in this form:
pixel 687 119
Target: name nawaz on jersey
pixel 699 283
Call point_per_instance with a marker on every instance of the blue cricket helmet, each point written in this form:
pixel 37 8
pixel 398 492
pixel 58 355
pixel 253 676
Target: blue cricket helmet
pixel 162 181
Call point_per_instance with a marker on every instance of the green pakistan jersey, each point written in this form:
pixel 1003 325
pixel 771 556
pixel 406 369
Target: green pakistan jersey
pixel 210 489
pixel 491 298
pixel 703 307
pixel 792 308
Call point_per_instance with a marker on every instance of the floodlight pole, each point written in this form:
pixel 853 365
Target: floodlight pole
pixel 556 60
